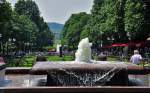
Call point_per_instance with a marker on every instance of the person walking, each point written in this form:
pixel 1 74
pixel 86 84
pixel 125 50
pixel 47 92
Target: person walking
pixel 136 58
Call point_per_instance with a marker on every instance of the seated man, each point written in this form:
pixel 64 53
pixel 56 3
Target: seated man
pixel 136 58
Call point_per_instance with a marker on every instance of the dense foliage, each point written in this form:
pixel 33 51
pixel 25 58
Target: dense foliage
pixel 72 29
pixel 112 21
pixel 22 28
pixel 30 9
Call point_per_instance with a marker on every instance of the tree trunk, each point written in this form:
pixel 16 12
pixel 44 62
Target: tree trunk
pixel 120 25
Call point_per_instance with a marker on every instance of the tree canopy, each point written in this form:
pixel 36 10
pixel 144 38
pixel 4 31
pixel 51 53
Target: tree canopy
pixel 113 21
pixel 22 27
pixel 72 29
pixel 42 35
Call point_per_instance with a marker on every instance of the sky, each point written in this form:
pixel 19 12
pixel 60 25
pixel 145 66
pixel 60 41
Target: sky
pixel 60 10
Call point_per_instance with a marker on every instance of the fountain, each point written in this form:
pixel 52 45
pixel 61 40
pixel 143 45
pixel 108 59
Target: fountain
pixel 83 53
pixel 79 73
pixel 83 71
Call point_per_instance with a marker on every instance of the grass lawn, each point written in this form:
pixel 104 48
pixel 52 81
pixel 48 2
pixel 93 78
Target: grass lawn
pixel 28 61
pixel 57 58
pixel 111 59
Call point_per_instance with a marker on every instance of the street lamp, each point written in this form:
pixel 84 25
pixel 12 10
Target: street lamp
pixel 26 47
pixel 110 39
pixel 11 40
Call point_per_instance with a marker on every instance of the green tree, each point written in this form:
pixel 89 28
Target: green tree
pixel 112 21
pixel 133 18
pixel 5 16
pixel 23 29
pixel 72 29
pixel 145 10
pixel 102 23
pixel 30 9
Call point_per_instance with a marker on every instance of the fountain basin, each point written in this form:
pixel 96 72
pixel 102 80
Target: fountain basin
pixel 69 89
pixel 2 70
pixel 85 73
pixel 78 90
pixel 2 73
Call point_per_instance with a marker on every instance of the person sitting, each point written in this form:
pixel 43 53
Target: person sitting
pixel 136 58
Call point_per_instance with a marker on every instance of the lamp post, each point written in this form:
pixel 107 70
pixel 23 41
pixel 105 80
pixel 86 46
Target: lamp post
pixel 101 39
pixel 0 43
pixel 27 46
pixel 129 37
pixel 11 40
pixel 111 40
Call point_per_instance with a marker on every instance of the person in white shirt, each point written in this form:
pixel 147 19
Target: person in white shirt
pixel 136 58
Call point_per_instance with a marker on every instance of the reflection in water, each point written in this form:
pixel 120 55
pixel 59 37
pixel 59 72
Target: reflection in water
pixel 135 82
pixel 25 80
pixel 138 80
pixel 40 80
pixel 4 83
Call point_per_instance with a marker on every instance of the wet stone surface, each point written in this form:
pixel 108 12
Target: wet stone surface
pixel 40 80
pixel 25 80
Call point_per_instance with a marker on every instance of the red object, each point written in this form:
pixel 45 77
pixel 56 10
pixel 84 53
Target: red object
pixel 124 45
pixel 119 45
pixel 136 44
pixel 130 44
pixel 116 45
